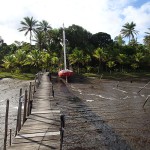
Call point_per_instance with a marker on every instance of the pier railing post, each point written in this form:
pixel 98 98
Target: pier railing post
pixel 6 124
pixel 29 99
pixel 10 137
pixel 25 107
pixel 62 123
pixel 52 91
pixel 20 110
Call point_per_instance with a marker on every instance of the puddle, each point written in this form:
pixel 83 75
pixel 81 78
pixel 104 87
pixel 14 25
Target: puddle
pixel 89 100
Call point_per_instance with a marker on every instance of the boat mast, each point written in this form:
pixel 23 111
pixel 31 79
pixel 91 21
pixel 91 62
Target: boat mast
pixel 64 46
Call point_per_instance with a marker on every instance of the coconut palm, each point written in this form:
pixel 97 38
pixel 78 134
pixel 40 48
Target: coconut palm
pixel 9 61
pixel 77 57
pixel 110 65
pixel 129 30
pixel 118 39
pixel 39 39
pixel 20 56
pixel 29 26
pixel 54 62
pixel 34 58
pixel 45 59
pixel 147 39
pixel 44 26
pixel 122 59
pixel 100 55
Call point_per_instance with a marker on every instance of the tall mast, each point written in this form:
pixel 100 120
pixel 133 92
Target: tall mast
pixel 64 46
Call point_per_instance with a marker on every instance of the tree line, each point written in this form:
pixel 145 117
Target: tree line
pixel 86 52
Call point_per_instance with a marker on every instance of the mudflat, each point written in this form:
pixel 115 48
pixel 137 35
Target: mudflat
pixel 105 114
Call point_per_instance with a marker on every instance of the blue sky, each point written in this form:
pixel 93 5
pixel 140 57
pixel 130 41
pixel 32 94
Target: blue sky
pixel 94 15
pixel 138 3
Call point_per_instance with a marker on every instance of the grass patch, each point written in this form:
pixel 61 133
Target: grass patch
pixel 21 76
pixel 120 75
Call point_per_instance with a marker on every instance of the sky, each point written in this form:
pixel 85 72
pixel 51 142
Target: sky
pixel 93 15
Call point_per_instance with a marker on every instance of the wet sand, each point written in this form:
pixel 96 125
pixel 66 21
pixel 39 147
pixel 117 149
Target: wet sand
pixel 119 105
pixel 105 114
pixel 9 89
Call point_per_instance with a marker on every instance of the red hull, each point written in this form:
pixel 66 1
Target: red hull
pixel 65 73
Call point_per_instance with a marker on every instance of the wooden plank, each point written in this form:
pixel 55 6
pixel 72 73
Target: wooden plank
pixel 37 134
pixel 46 112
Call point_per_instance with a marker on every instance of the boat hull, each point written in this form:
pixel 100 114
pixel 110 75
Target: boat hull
pixel 65 73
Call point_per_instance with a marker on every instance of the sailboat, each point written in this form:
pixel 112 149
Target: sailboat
pixel 65 72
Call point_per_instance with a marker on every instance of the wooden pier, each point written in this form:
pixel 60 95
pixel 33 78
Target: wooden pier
pixel 41 130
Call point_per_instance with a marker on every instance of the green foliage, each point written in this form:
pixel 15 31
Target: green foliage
pixel 86 52
pixel 101 39
pixel 22 76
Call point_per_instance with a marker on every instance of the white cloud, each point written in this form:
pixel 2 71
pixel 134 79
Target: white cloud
pixel 140 16
pixel 94 15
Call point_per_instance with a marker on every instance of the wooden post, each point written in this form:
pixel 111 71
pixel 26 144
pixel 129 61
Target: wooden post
pixel 52 91
pixel 61 137
pixel 25 107
pixel 146 100
pixel 29 99
pixel 20 110
pixel 6 124
pixel 34 88
pixel 10 137
pixel 38 79
pixel 50 77
pixel 143 87
pixel 62 121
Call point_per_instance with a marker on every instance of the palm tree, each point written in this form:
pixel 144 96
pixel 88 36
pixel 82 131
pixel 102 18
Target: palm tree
pixel 122 59
pixel 147 39
pixel 28 25
pixel 44 26
pixel 34 58
pixel 129 30
pixel 118 39
pixel 45 59
pixel 100 55
pixel 77 57
pixel 9 61
pixel 20 56
pixel 39 39
pixel 110 65
pixel 54 62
